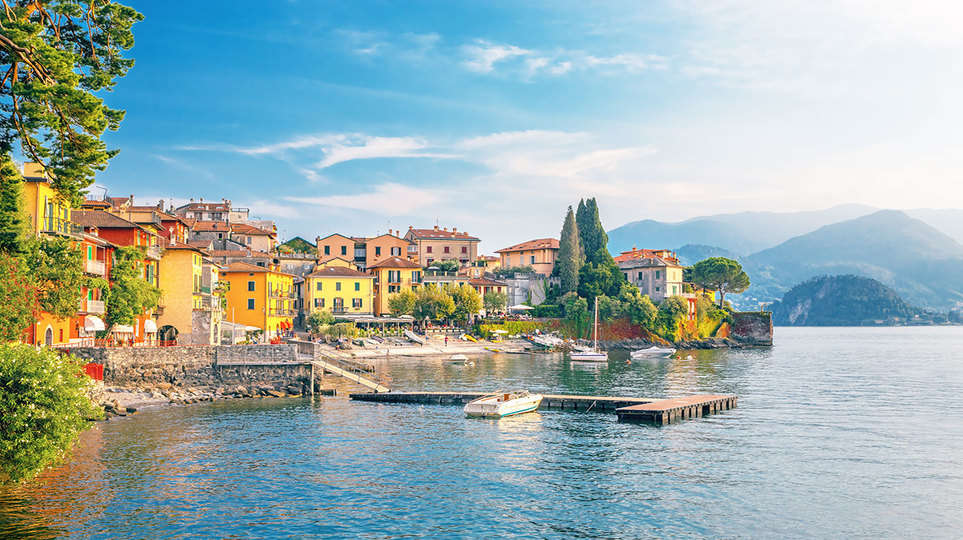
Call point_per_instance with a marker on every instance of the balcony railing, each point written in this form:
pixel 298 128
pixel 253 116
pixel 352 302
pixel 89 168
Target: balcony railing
pixel 55 225
pixel 210 302
pixel 96 307
pixel 95 267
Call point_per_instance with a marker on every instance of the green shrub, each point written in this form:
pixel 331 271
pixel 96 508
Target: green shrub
pixel 43 407
pixel 547 311
pixel 512 327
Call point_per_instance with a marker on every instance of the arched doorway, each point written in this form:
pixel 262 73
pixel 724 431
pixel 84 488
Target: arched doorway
pixel 48 337
pixel 167 335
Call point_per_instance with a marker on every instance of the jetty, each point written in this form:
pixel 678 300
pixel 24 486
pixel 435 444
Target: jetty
pixel 629 409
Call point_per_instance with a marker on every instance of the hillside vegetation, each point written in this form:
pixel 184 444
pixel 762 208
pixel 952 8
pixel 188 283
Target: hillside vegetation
pixel 842 301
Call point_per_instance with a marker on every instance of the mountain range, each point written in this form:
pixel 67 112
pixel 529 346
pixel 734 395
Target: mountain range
pixel 844 301
pixel 903 250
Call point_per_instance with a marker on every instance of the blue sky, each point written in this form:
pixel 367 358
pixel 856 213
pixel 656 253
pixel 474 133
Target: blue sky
pixel 492 117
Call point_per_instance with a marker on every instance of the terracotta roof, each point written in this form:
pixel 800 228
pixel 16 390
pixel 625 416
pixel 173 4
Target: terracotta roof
pixel 335 234
pixel 441 234
pixel 337 271
pixel 646 253
pixel 648 262
pixel 207 207
pixel 102 220
pixel 229 253
pixel 95 203
pixel 244 228
pixel 245 267
pixel 211 226
pixel 395 262
pixel 490 258
pixel 486 282
pixel 541 243
pixel 202 244
pixel 329 258
pixel 183 247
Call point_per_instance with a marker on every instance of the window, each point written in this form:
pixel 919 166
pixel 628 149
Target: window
pixel 344 250
pixel 327 250
pixel 396 251
pixel 428 249
pixel 447 249
pixel 90 252
pixel 627 277
pixel 464 249
pixel 357 285
pixel 337 285
pixel 393 288
pixel 430 261
pixel 319 302
pixel 657 274
pixel 250 303
pixel 533 259
pixel 416 276
pixel 250 285
pixel 657 289
pixel 317 287
pixel 220 236
pixel 247 240
pixel 640 276
pixel 377 251
pixel 356 303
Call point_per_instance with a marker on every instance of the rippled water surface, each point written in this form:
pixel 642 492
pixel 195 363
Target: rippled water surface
pixel 838 433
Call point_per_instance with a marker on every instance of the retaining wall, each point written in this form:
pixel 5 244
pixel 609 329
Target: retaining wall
pixel 754 327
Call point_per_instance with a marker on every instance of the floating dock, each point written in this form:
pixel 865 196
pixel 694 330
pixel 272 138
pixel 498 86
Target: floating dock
pixel 666 411
pixel 657 411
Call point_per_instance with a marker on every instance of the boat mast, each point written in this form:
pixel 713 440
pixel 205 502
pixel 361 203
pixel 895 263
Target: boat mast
pixel 595 327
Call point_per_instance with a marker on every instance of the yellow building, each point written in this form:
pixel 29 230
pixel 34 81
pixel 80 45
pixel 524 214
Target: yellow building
pixel 540 254
pixel 48 213
pixel 181 275
pixel 260 296
pixel 340 290
pixel 393 275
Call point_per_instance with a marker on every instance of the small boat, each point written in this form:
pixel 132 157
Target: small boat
pixel 593 354
pixel 651 352
pixel 503 404
pixel 461 359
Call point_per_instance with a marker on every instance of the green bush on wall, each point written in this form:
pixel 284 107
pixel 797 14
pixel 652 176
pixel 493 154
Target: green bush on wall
pixel 43 407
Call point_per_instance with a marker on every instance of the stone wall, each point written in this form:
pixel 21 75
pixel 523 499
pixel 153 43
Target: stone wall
pixel 198 365
pixel 752 327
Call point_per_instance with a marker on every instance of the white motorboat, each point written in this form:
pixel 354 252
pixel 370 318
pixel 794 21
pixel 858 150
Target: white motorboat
pixel 651 352
pixel 461 359
pixel 503 404
pixel 593 354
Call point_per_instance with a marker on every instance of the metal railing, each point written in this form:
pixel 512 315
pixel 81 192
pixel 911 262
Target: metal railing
pixel 52 224
pixel 155 252
pixel 95 267
pixel 94 306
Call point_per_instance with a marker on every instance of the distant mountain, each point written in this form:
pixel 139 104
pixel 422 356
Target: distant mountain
pixel 949 221
pixel 741 233
pixel 690 254
pixel 842 301
pixel 922 264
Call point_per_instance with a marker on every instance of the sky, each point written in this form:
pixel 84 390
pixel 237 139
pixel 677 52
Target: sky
pixel 494 116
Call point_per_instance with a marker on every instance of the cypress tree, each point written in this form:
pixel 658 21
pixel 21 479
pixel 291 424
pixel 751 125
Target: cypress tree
pixel 13 224
pixel 582 221
pixel 569 254
pixel 591 234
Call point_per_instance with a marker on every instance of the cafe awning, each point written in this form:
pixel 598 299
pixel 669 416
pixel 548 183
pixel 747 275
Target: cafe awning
pixel 123 329
pixel 93 324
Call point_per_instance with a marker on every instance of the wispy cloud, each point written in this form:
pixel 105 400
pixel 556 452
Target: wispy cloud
pixel 482 55
pixel 387 199
pixel 184 166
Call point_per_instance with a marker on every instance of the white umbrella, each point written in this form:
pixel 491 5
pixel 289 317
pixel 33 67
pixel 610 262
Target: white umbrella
pixel 499 331
pixel 520 307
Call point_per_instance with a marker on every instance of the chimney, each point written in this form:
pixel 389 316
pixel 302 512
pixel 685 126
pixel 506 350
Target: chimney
pixel 436 227
pixel 160 205
pixel 444 229
pixel 132 200
pixel 454 229
pixel 192 199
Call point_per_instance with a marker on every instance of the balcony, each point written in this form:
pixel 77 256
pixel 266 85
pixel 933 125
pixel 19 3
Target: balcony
pixel 210 302
pixel 95 307
pixel 95 267
pixel 52 225
pixel 155 252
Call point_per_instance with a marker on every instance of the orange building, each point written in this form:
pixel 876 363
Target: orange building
pixel 540 254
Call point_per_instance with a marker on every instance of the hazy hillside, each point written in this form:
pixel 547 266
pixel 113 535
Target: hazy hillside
pixel 949 221
pixel 690 254
pixel 842 301
pixel 741 233
pixel 921 263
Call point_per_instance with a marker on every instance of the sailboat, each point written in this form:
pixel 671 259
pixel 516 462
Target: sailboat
pixel 593 354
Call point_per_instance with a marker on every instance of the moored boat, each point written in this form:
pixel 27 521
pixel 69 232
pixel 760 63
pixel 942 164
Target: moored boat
pixel 583 354
pixel 461 359
pixel 653 351
pixel 503 404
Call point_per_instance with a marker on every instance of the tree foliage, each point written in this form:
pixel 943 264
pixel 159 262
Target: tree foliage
pixel 18 298
pixel 13 220
pixel 569 259
pixel 402 303
pixel 720 274
pixel 318 319
pixel 44 405
pixel 576 311
pixel 445 266
pixel 467 301
pixel 432 303
pixel 130 294
pixel 495 301
pixel 672 313
pixel 56 266
pixel 592 236
pixel 57 55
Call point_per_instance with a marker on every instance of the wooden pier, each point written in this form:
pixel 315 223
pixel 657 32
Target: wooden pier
pixel 657 411
pixel 666 411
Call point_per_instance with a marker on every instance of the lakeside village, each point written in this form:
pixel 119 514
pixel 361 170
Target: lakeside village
pixel 206 273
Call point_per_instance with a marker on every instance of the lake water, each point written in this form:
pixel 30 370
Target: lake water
pixel 853 432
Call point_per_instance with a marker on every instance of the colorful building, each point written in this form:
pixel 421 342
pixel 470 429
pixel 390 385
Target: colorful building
pixel 190 309
pixel 261 297
pixel 393 275
pixel 335 245
pixel 364 252
pixel 436 244
pixel 540 254
pixel 657 277
pixel 340 290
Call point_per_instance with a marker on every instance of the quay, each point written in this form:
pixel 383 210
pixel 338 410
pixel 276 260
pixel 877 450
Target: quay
pixel 656 411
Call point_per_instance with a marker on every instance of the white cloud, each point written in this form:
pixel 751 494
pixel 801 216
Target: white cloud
pixel 388 199
pixel 365 147
pixel 483 55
